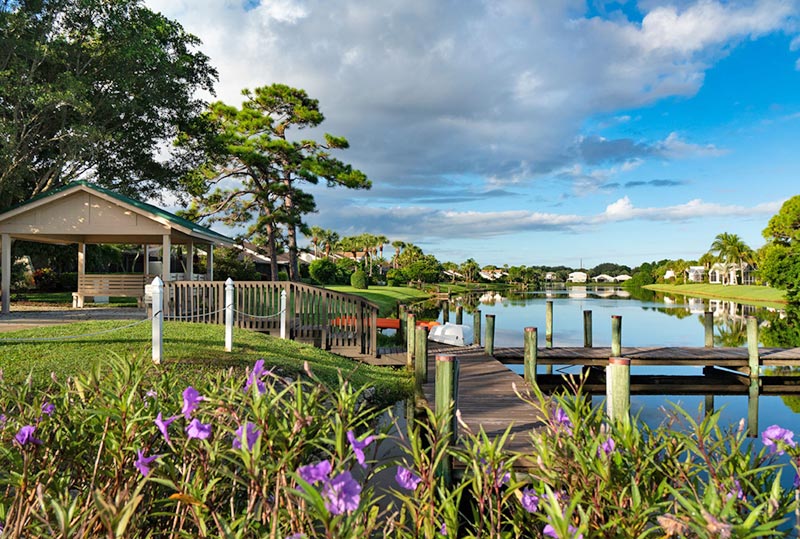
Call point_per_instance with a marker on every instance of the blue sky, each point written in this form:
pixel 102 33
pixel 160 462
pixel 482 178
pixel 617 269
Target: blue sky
pixel 535 132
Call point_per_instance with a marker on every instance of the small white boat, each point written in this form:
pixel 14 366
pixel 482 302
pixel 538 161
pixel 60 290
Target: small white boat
pixel 453 334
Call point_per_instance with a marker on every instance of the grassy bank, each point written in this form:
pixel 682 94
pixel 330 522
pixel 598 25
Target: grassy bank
pixel 191 351
pixel 385 297
pixel 754 295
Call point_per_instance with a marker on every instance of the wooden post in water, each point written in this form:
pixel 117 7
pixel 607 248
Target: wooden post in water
pixel 446 398
pixel 587 329
pixel 459 315
pixel 548 325
pixel 421 359
pixel 752 346
pixel 752 408
pixel 531 354
pixel 488 345
pixel 411 324
pixel 445 311
pixel 708 322
pixel 476 326
pixel 616 336
pixel 618 389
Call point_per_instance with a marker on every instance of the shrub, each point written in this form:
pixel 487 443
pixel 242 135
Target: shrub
pixel 283 275
pixel 323 271
pixel 67 282
pixel 391 282
pixel 45 279
pixel 359 280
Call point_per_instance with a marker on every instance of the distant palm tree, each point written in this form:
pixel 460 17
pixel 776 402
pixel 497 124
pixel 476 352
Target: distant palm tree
pixel 730 248
pixel 329 239
pixel 316 234
pixel 398 246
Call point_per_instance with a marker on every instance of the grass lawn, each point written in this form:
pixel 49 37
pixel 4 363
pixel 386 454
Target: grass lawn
pixel 751 294
pixel 191 351
pixel 385 297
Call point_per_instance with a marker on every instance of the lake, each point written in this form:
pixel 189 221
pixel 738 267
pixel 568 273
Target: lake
pixel 648 319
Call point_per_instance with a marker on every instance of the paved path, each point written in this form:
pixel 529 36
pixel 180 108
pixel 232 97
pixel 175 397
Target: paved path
pixel 27 317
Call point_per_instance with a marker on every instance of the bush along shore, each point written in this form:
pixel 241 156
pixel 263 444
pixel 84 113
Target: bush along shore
pixel 118 453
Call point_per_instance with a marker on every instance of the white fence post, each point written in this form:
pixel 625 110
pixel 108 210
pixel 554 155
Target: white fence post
pixel 283 314
pixel 158 319
pixel 229 314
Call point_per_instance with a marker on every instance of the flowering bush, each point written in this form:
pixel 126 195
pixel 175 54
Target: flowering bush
pixel 125 454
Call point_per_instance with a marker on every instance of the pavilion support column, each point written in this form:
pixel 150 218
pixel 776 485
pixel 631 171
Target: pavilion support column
pixel 190 261
pixel 166 249
pixel 210 263
pixel 6 267
pixel 81 272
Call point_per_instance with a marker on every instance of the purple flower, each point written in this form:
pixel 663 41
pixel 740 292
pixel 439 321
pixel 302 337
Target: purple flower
pixel 25 436
pixel 163 425
pixel 191 398
pixel 607 447
pixel 143 463
pixel 195 429
pixel 530 501
pixel 775 434
pixel 3 419
pixel 358 447
pixel 250 432
pixel 563 420
pixel 549 531
pixel 796 483
pixel 737 491
pixel 255 377
pixel 342 494
pixel 151 393
pixel 443 529
pixel 406 478
pixel 296 536
pixel 312 473
pixel 48 408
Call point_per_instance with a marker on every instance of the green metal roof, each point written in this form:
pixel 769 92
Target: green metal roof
pixel 144 206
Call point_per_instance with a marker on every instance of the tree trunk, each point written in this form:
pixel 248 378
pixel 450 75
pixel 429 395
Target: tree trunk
pixel 291 232
pixel 273 251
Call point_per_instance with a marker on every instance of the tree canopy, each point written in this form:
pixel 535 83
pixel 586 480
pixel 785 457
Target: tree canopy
pixel 93 88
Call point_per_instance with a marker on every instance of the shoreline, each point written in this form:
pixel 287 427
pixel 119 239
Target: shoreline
pixel 759 296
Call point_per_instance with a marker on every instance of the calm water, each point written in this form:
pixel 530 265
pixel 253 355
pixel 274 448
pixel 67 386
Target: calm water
pixel 652 320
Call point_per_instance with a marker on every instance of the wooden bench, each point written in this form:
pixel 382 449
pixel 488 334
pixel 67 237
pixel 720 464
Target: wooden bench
pixel 109 284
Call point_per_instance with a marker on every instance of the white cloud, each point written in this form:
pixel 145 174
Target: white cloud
pixel 673 147
pixel 495 90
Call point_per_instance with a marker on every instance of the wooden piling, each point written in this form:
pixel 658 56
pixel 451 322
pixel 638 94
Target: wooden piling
pixel 459 315
pixel 445 311
pixel 709 404
pixel 488 345
pixel 476 326
pixel 752 346
pixel 752 408
pixel 618 389
pixel 616 336
pixel 411 324
pixel 548 325
pixel 587 329
pixel 421 359
pixel 708 322
pixel 531 354
pixel 446 398
pixel 402 313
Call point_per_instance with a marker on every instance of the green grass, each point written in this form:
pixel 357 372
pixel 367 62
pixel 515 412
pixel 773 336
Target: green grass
pixel 191 351
pixel 751 294
pixel 385 297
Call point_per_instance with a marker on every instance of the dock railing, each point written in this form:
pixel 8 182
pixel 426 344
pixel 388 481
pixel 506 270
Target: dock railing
pixel 341 323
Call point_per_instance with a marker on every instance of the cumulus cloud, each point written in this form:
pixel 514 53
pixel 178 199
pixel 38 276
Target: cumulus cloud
pixel 494 90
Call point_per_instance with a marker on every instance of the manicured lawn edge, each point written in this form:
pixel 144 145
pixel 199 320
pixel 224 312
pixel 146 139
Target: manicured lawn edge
pixel 762 296
pixel 385 297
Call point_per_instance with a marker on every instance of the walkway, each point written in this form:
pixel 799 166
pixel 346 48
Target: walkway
pixel 33 316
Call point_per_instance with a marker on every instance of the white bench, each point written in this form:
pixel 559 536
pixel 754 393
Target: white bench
pixel 109 284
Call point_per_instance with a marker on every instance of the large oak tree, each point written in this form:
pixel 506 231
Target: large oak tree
pixel 93 88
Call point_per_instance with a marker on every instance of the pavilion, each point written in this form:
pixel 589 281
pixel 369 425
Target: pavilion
pixel 84 213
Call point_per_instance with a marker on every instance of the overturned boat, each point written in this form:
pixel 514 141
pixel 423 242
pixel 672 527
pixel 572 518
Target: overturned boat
pixel 453 334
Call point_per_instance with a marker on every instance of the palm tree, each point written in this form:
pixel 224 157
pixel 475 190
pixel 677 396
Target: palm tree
pixel 398 246
pixel 329 239
pixel 730 248
pixel 315 234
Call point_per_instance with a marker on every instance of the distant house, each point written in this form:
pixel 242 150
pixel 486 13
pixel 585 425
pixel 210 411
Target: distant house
pixel 550 276
pixel 603 278
pixel 696 274
pixel 728 274
pixel 622 278
pixel 453 274
pixel 492 275
pixel 577 277
pixel 669 274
